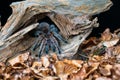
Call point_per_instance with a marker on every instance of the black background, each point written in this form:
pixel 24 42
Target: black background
pixel 110 18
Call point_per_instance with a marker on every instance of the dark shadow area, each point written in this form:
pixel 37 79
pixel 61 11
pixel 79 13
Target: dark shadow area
pixel 109 19
pixel 46 19
pixel 6 10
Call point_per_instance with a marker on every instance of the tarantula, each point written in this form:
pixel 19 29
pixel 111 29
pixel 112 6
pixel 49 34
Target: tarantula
pixel 48 37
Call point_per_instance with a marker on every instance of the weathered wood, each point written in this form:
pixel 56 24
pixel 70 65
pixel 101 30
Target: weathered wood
pixel 18 35
pixel 72 17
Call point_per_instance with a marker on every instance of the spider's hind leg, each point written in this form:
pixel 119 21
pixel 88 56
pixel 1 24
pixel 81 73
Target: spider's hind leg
pixel 52 47
pixel 47 47
pixel 56 45
pixel 42 47
pixel 36 43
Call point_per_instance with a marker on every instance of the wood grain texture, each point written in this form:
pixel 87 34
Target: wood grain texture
pixel 71 17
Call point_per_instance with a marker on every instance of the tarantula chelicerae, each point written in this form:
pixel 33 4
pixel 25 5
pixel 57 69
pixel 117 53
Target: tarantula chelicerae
pixel 48 37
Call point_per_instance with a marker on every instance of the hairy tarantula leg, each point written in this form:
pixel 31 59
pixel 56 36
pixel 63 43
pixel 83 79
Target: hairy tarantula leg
pixel 56 33
pixel 52 46
pixel 54 41
pixel 47 47
pixel 42 47
pixel 53 28
pixel 58 36
pixel 36 43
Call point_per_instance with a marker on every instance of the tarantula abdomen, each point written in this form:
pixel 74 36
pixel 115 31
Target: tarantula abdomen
pixel 48 38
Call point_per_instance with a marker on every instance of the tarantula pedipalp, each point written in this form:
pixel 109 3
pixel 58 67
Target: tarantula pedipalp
pixel 48 38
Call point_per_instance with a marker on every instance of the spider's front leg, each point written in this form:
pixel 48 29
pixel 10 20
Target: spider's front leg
pixel 47 45
pixel 55 32
pixel 52 47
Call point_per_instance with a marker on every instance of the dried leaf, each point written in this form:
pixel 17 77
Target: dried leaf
pixel 65 68
pixel 116 50
pixel 110 43
pixel 93 66
pixel 45 61
pixel 80 75
pixel 77 63
pixel 54 57
pixel 106 70
pixel 106 35
pixel 36 64
pixel 116 67
pixel 19 59
pixel 90 42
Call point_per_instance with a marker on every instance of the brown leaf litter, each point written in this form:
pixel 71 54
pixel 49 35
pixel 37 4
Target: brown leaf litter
pixel 103 63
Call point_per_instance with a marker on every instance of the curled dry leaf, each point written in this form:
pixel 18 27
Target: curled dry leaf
pixel 19 59
pixel 116 50
pixel 45 72
pixel 80 75
pixel 36 65
pixel 59 67
pixel 117 32
pixel 41 67
pixel 90 42
pixel 91 68
pixel 106 35
pixel 116 72
pixel 116 67
pixel 108 39
pixel 54 58
pixel 77 63
pixel 65 68
pixel 41 72
pixel 110 43
pixel 84 72
pixel 45 61
pixel 106 70
pixel 95 59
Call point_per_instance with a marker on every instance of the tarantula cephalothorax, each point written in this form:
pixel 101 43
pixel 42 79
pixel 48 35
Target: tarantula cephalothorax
pixel 48 37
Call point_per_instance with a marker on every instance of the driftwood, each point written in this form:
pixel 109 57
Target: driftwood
pixel 71 17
